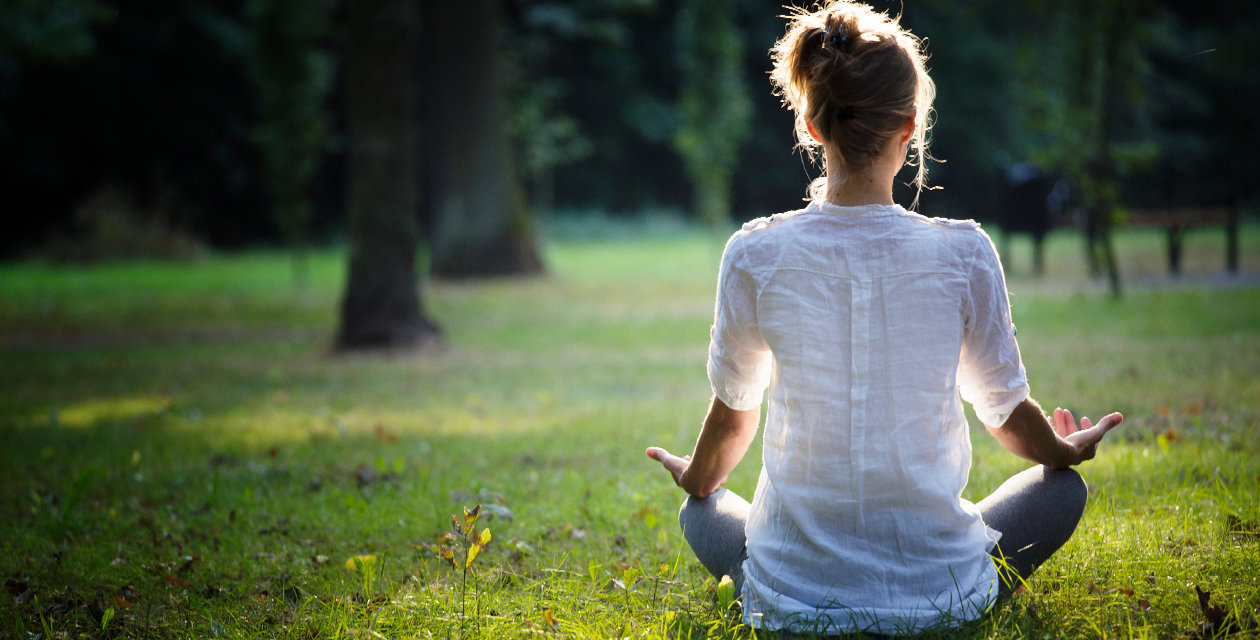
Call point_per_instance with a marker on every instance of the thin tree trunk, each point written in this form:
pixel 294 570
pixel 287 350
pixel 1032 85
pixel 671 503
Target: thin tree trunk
pixel 381 307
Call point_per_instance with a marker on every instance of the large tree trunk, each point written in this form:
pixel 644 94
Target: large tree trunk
pixel 481 225
pixel 381 307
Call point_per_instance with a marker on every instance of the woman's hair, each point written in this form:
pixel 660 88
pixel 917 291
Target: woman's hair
pixel 857 76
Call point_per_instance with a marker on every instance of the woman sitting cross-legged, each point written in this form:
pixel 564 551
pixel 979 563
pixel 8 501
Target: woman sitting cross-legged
pixel 865 326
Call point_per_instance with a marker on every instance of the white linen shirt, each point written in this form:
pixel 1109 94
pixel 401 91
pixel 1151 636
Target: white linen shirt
pixel 865 323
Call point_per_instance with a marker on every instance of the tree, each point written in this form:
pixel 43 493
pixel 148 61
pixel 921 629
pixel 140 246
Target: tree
pixel 1084 100
pixel 714 103
pixel 291 76
pixel 480 222
pixel 381 306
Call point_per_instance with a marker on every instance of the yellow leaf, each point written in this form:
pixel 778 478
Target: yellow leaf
pixel 473 552
pixel 485 537
pixel 354 562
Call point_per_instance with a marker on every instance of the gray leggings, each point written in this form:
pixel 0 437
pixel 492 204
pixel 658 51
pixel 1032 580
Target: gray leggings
pixel 1036 510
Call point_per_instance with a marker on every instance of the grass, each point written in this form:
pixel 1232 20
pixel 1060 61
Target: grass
pixel 184 457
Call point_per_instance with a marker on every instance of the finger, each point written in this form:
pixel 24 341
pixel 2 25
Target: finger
pixel 656 453
pixel 674 465
pixel 1062 424
pixel 1110 420
pixel 1086 438
pixel 1086 425
pixel 1069 421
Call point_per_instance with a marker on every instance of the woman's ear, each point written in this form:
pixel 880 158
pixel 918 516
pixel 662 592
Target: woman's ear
pixel 907 131
pixel 812 131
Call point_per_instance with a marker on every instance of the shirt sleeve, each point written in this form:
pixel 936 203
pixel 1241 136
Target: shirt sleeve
pixel 739 358
pixel 991 374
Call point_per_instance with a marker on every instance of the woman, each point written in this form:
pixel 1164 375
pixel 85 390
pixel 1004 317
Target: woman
pixel 866 323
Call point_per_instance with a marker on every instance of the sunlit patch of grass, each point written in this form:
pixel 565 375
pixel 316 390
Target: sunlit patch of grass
pixel 183 449
pixel 90 412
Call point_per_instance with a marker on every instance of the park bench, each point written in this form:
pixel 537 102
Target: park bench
pixel 1175 222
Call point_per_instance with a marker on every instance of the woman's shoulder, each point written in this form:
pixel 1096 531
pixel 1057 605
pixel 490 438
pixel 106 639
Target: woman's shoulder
pixel 946 223
pixel 960 232
pixel 766 222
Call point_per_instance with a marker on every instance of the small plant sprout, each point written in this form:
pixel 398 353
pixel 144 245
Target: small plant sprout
pixel 464 532
pixel 726 593
pixel 365 566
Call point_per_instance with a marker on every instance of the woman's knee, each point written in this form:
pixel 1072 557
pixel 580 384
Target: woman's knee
pixel 1069 487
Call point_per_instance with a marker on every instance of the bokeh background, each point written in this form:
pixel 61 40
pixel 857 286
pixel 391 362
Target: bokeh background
pixel 158 128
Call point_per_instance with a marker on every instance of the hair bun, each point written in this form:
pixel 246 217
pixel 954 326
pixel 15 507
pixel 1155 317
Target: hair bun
pixel 837 38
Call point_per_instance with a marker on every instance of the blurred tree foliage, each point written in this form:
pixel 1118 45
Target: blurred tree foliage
pixel 291 74
pixel 713 101
pixel 189 108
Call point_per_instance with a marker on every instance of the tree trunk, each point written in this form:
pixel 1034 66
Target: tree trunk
pixel 480 223
pixel 381 307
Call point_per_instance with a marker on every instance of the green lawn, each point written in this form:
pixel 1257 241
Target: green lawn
pixel 184 457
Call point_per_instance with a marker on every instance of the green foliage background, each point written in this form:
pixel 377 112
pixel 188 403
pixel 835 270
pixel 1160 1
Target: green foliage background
pixel 212 118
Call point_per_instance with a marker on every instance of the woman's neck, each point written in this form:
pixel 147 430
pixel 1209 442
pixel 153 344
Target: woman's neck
pixel 858 189
pixel 872 185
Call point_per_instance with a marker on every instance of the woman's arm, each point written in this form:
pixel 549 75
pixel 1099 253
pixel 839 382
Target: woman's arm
pixel 1058 444
pixel 723 441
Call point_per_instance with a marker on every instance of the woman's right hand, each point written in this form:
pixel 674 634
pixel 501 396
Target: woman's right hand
pixel 1056 442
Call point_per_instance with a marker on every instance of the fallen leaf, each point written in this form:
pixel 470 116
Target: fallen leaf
pixel 1242 530
pixel 20 590
pixel 498 511
pixel 1143 605
pixel 1213 614
pixel 1128 591
pixel 383 434
pixel 185 563
pixel 364 475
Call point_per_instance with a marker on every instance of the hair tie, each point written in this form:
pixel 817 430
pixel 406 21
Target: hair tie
pixel 845 113
pixel 835 40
